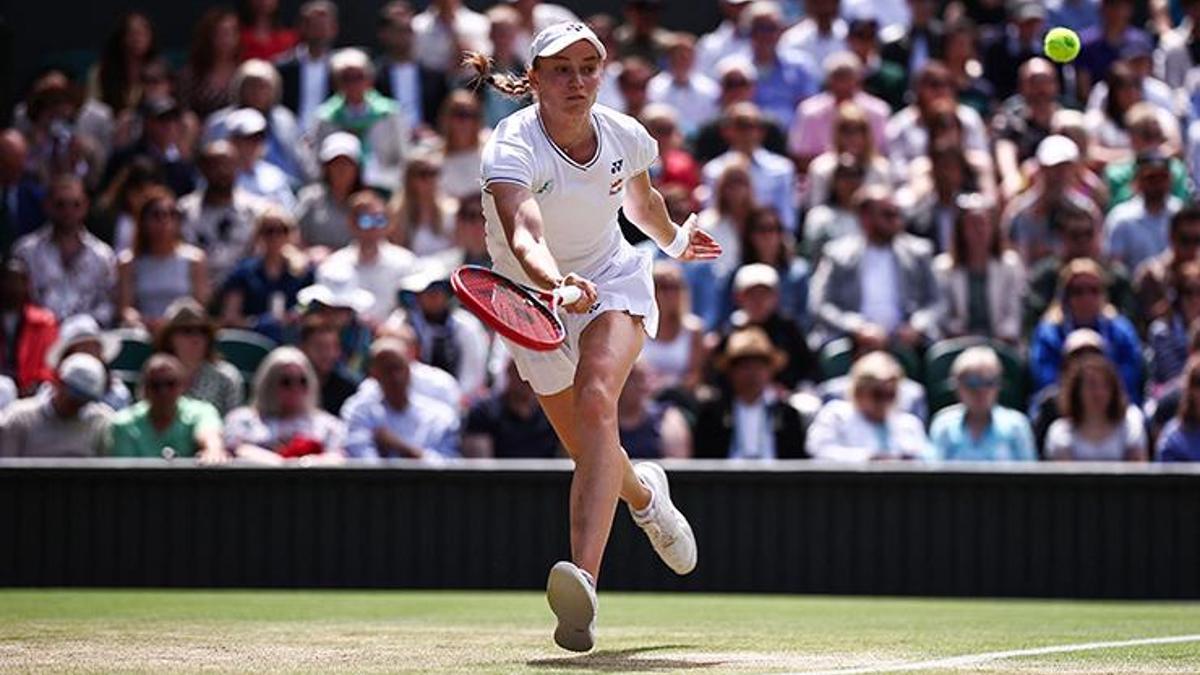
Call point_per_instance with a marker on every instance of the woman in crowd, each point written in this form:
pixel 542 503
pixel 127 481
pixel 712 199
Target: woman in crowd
pixel 674 358
pixel 836 217
pixel 160 267
pixel 205 81
pixel 283 423
pixel 1180 439
pixel 764 241
pixel 460 124
pixel 676 165
pixel 190 335
pixel 725 219
pixel 851 136
pixel 1098 423
pixel 261 292
pixel 115 81
pixel 1168 336
pixel 976 428
pixel 650 429
pixel 322 210
pixel 966 72
pixel 1107 125
pixel 262 36
pixel 946 131
pixel 421 213
pixel 124 198
pixel 980 282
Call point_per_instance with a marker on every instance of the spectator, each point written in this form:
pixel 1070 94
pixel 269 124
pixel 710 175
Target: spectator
pixel 1137 229
pixel 1033 220
pixel 248 134
pixel 817 119
pixel 378 122
pixel 460 125
pixel 772 176
pixel 912 46
pixel 262 36
pixel 323 212
pixel 650 429
pixel 980 283
pixel 908 130
pixel 1108 126
pixel 633 86
pixel 257 85
pixel 641 35
pixel 851 135
pixel 1145 137
pixel 158 80
pixel 738 79
pixel 510 49
pixel 756 293
pixel 1156 276
pixel 27 331
pixel 1098 423
pixel 69 421
pixel 283 424
pixel 509 423
pixel 869 425
pixel 261 294
pixel 748 421
pixel 207 78
pixel 80 334
pixel 878 287
pixel 834 217
pixel 675 165
pixel 729 38
pixel 764 241
pixel 398 74
pixel 725 219
pixel 931 198
pixel 160 268
pixel 786 71
pixel 320 343
pixel 305 70
pixel 163 141
pixel 976 428
pixel 420 211
pixel 1180 440
pixel 337 299
pixel 819 35
pixel 20 195
pixel 1170 106
pixel 1020 42
pixel 114 81
pixel 1088 181
pixel 1024 121
pixel 961 57
pixel 448 337
pixel 1173 59
pixel 390 420
pixel 1043 406
pixel 886 80
pixel 1169 335
pixel 1101 44
pixel 70 271
pixel 674 358
pixel 1078 15
pixel 120 203
pixel 446 29
pixel 910 394
pixel 190 335
pixel 165 423
pixel 683 87
pixel 429 381
pixel 1081 303
pixel 470 236
pixel 532 16
pixel 376 264
pixel 220 216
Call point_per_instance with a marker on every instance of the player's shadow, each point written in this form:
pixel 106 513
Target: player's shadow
pixel 623 661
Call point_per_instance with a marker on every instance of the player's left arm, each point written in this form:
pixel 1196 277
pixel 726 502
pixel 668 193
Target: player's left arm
pixel 645 207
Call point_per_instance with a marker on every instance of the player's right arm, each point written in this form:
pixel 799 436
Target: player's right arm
pixel 521 220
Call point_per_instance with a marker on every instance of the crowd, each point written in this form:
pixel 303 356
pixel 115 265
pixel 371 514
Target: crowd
pixel 938 244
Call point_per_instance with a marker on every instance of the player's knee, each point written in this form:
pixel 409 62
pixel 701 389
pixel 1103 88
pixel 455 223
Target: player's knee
pixel 594 403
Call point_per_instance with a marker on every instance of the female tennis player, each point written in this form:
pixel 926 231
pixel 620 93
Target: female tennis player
pixel 554 175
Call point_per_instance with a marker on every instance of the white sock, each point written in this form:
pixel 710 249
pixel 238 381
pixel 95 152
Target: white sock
pixel 644 513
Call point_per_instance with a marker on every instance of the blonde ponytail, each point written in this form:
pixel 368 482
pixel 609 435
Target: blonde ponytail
pixel 512 86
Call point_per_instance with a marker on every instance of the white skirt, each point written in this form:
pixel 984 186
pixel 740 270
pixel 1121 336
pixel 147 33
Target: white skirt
pixel 623 284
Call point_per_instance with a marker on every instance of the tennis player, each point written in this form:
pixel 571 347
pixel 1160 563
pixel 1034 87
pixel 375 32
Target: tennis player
pixel 554 175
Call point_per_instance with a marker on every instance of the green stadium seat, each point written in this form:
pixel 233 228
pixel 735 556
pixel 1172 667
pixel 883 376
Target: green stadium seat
pixel 837 356
pixel 135 349
pixel 244 349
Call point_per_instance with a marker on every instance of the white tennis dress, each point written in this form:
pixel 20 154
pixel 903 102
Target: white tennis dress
pixel 579 205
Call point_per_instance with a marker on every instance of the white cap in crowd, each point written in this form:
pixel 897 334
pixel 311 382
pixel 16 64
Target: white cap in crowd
pixel 84 376
pixel 245 122
pixel 755 274
pixel 1057 149
pixel 340 144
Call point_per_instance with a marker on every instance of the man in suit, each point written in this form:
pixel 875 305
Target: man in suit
pixel 20 197
pixel 307 80
pixel 913 45
pixel 749 421
pixel 418 89
pixel 877 287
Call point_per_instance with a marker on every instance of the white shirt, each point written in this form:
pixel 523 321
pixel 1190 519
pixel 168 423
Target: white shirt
pixel 425 423
pixel 578 202
pixel 269 182
pixel 880 281
pixel 434 46
pixel 772 176
pixel 406 87
pixel 807 40
pixel 841 433
pixel 695 101
pixel 886 12
pixel 753 437
pixel 314 85
pixel 381 277
pixel 722 42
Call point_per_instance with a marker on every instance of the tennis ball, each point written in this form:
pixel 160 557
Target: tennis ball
pixel 1062 44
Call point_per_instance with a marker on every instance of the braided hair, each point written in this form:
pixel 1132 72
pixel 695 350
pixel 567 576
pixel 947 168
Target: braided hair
pixel 511 85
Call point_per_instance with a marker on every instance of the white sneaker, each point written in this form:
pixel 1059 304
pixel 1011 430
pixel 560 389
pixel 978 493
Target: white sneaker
pixel 669 532
pixel 572 596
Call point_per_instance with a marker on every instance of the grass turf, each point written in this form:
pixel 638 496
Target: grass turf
pixel 327 631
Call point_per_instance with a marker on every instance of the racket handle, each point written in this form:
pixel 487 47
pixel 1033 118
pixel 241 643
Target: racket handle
pixel 567 295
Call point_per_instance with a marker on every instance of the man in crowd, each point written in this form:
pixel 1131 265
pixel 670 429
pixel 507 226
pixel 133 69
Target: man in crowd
pixel 772 176
pixel 756 300
pixel 248 136
pixel 305 72
pixel 162 142
pixel 376 264
pixel 398 75
pixel 509 422
pixel 786 76
pixel 812 130
pixel 220 217
pixel 69 421
pixel 683 87
pixel 20 197
pixel 320 342
pixel 1156 275
pixel 1024 121
pixel 165 423
pixel 1137 229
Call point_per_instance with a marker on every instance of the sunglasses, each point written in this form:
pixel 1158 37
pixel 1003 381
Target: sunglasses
pixel 464 114
pixel 882 393
pixel 68 203
pixel 735 83
pixel 191 330
pixel 767 229
pixel 174 214
pixel 976 382
pixel 372 221
pixel 162 385
pixel 745 124
pixel 289 382
pixel 275 231
pixel 1084 290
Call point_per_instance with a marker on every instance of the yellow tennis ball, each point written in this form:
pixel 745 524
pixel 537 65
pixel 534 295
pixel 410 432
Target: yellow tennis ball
pixel 1062 44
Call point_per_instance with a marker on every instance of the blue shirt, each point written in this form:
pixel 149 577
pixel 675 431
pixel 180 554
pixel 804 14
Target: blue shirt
pixel 1121 346
pixel 1097 54
pixel 1007 438
pixel 250 277
pixel 783 86
pixel 427 424
pixel 1179 443
pixel 1078 15
pixel 1134 234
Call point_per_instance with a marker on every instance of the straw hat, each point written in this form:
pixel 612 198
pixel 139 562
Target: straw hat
pixel 751 343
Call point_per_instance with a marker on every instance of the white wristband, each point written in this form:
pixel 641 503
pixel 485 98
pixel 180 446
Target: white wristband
pixel 683 236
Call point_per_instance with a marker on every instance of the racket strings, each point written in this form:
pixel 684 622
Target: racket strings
pixel 512 307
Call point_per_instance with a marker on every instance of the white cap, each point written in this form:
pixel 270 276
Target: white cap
pixel 1057 149
pixel 755 274
pixel 340 144
pixel 336 287
pixel 84 376
pixel 426 275
pixel 245 122
pixel 557 37
pixel 82 328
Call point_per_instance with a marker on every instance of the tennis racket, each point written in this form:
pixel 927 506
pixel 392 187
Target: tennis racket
pixel 526 316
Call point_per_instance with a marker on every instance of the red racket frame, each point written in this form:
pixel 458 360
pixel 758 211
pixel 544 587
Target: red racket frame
pixel 466 282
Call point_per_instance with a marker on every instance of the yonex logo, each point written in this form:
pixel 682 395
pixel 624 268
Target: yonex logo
pixel 616 166
pixel 546 187
pixel 577 27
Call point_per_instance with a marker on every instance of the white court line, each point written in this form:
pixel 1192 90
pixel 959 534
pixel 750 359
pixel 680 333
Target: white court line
pixel 976 659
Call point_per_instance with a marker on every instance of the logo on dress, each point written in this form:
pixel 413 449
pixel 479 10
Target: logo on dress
pixel 546 187
pixel 616 166
pixel 616 186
